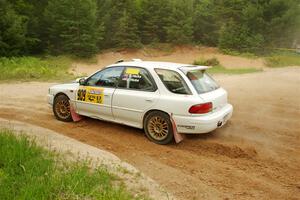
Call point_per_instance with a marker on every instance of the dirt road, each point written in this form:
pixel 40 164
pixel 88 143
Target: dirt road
pixel 255 156
pixel 184 54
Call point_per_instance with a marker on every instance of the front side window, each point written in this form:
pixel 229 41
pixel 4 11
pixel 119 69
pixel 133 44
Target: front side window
pixel 201 81
pixel 136 78
pixel 106 78
pixel 173 81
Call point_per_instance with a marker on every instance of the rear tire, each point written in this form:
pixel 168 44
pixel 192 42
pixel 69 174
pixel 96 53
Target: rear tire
pixel 158 127
pixel 61 108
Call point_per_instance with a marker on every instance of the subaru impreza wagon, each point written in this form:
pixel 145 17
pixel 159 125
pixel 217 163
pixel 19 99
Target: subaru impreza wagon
pixel 159 97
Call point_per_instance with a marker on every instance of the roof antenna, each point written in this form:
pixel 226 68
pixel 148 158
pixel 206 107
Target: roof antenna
pixel 119 61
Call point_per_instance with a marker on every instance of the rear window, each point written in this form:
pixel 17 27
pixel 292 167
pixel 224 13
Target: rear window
pixel 201 81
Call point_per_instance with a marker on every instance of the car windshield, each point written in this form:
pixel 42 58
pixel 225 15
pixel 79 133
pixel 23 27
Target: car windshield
pixel 201 81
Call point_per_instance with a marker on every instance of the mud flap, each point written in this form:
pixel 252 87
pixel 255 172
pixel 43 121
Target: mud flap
pixel 177 136
pixel 74 115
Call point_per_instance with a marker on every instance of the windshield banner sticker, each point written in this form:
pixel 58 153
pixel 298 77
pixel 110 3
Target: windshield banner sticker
pixel 90 94
pixel 132 71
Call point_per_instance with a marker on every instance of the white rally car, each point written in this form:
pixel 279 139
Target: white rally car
pixel 155 96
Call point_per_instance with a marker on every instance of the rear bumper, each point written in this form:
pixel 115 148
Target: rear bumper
pixel 204 123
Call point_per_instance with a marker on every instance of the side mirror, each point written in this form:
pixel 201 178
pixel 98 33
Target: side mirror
pixel 81 81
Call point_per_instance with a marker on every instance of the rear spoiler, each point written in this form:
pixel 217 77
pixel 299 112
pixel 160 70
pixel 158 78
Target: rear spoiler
pixel 185 69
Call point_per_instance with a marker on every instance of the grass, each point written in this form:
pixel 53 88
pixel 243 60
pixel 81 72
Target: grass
pixel 158 48
pixel 240 54
pixel 277 58
pixel 89 60
pixel 207 62
pixel 283 59
pixel 222 70
pixel 28 171
pixel 217 68
pixel 34 68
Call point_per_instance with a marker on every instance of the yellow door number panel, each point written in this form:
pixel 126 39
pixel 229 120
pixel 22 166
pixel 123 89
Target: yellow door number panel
pixel 90 94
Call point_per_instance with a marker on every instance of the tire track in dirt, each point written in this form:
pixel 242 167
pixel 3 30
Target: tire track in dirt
pixel 256 155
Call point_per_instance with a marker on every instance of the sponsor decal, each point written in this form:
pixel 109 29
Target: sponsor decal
pixel 132 74
pixel 90 94
pixel 81 95
pixel 186 127
pixel 132 71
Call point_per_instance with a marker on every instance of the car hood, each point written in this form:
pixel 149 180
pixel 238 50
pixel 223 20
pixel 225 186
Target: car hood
pixel 66 86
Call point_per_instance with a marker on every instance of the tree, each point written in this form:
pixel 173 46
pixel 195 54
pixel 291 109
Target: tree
pixel 149 21
pixel 153 20
pixel 12 31
pixel 282 22
pixel 258 25
pixel 32 11
pixel 127 34
pixel 82 27
pixel 205 23
pixel 241 28
pixel 120 24
pixel 239 38
pixel 180 28
pixel 72 26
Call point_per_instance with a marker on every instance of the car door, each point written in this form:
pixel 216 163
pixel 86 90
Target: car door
pixel 136 93
pixel 94 97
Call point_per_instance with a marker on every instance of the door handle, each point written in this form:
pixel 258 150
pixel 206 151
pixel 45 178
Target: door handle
pixel 106 95
pixel 149 100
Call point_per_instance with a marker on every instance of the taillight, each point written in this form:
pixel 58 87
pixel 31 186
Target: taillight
pixel 201 108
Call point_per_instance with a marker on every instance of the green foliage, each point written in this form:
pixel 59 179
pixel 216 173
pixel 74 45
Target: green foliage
pixel 83 27
pixel 109 13
pixel 28 171
pixel 127 35
pixel 153 20
pixel 153 48
pixel 32 68
pixel 207 62
pixel 205 23
pixel 32 11
pixel 12 30
pixel 222 70
pixel 120 21
pixel 72 27
pixel 217 68
pixel 283 59
pixel 179 28
pixel 282 22
pixel 239 38
pixel 254 26
pixel 150 23
pixel 252 55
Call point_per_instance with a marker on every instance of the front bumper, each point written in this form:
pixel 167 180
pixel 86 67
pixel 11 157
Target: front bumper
pixel 50 99
pixel 196 124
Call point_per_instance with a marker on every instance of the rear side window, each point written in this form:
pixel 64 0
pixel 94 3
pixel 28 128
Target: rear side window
pixel 173 81
pixel 201 81
pixel 136 78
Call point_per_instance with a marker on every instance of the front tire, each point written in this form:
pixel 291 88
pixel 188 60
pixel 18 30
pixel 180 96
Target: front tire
pixel 61 108
pixel 158 127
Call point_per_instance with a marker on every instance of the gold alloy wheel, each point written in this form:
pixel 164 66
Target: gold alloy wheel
pixel 158 128
pixel 62 108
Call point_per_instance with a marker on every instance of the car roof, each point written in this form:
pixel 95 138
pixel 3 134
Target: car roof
pixel 156 64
